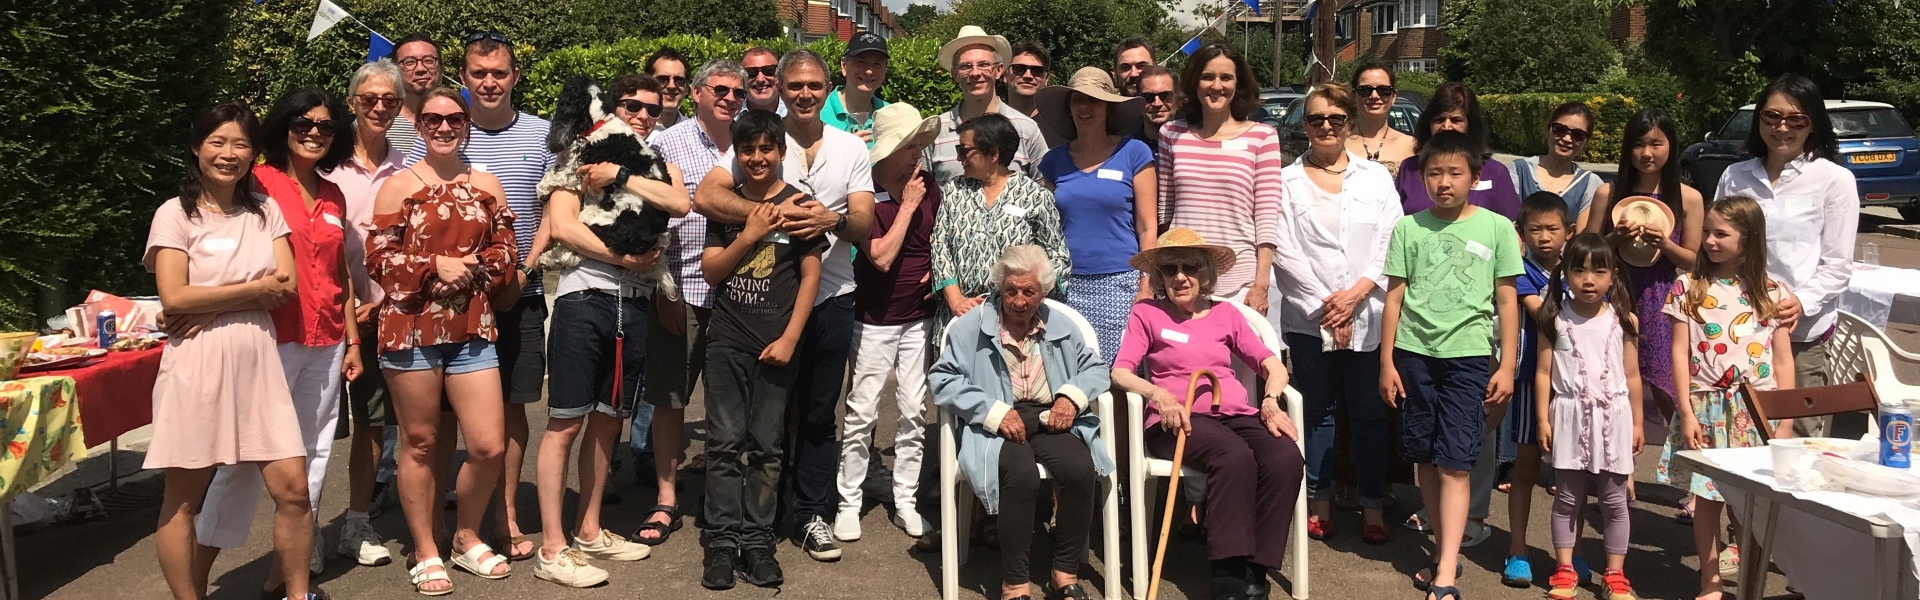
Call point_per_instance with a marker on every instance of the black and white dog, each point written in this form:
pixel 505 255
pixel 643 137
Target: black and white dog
pixel 585 131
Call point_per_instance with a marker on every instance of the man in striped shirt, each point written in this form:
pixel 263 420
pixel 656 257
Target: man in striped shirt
pixel 419 60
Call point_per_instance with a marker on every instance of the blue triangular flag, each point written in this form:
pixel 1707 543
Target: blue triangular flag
pixel 1311 8
pixel 1253 4
pixel 1192 46
pixel 378 47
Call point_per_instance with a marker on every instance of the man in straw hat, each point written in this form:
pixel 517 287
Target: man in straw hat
pixel 893 317
pixel 832 166
pixel 977 63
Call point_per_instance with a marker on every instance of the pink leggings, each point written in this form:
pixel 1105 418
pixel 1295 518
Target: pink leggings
pixel 1575 485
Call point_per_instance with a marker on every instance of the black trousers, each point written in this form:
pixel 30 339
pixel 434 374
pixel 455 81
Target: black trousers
pixel 1070 466
pixel 820 367
pixel 747 425
pixel 1253 479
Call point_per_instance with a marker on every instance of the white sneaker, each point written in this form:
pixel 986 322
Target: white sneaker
pixel 359 540
pixel 846 526
pixel 569 568
pixel 610 546
pixel 317 559
pixel 908 519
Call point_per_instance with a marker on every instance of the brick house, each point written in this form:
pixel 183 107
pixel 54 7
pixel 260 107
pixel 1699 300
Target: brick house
pixel 811 20
pixel 1403 33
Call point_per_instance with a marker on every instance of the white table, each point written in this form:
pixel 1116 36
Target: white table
pixel 1881 294
pixel 1828 552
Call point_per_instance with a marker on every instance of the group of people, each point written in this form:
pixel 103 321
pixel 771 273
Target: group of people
pixel 821 235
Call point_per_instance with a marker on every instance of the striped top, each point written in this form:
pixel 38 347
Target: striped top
pixel 687 146
pixel 403 137
pixel 518 156
pixel 1228 191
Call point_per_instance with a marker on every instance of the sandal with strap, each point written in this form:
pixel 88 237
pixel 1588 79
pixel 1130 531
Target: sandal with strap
pixel 664 530
pixel 1431 570
pixel 1443 592
pixel 470 562
pixel 514 542
pixel 419 575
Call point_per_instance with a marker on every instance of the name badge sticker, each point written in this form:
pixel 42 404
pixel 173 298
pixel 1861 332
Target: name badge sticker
pixel 481 167
pixel 1017 212
pixel 1234 145
pixel 1801 203
pixel 1483 185
pixel 1110 174
pixel 779 237
pixel 1170 335
pixel 1480 250
pixel 1563 342
pixel 220 244
pixel 331 220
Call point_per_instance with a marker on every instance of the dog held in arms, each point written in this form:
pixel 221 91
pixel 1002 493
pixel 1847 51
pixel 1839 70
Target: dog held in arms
pixel 585 131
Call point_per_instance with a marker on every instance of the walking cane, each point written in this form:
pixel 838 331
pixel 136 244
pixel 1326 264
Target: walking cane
pixel 1173 478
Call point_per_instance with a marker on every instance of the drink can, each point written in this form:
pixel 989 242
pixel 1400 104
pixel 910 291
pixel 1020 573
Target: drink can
pixel 1896 435
pixel 107 326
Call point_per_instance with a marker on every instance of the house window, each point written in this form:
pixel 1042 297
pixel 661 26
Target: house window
pixel 1419 13
pixel 1343 25
pixel 1386 18
pixel 1423 65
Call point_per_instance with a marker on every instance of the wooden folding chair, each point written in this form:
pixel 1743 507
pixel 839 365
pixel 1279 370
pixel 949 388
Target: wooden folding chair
pixel 1774 405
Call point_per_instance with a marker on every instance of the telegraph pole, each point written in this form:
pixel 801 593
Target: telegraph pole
pixel 1321 70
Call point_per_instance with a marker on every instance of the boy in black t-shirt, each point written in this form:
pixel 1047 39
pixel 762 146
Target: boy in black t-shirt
pixel 764 284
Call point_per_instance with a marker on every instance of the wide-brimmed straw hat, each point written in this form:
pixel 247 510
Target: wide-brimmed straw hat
pixel 1645 211
pixel 973 35
pixel 894 125
pixel 1056 103
pixel 1146 260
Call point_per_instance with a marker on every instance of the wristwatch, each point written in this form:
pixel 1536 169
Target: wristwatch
pixel 620 180
pixel 841 224
pixel 524 269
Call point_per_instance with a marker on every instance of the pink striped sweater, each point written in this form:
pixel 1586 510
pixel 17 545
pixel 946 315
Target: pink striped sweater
pixel 1227 191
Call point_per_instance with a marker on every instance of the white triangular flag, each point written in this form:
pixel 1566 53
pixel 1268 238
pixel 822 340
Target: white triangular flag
pixel 324 18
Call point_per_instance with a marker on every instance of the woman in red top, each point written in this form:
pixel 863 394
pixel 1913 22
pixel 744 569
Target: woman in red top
pixel 442 249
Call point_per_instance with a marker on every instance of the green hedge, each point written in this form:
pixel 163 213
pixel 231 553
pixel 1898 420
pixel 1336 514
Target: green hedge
pixel 1519 122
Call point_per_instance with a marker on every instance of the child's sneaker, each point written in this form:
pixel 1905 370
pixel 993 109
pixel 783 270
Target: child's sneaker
pixel 1730 562
pixel 568 567
pixel 1617 586
pixel 1518 572
pixel 1565 583
pixel 610 546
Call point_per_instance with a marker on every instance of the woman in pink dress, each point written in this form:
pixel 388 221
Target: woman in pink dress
pixel 221 398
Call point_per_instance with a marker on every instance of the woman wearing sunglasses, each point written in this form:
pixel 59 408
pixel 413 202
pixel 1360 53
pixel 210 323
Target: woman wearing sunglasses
pixel 305 134
pixel 443 249
pixel 1373 134
pixel 1339 217
pixel 1568 130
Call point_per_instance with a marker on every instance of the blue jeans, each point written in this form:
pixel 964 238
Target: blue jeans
pixel 1326 379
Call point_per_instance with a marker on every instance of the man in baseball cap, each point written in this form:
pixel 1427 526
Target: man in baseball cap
pixel 850 107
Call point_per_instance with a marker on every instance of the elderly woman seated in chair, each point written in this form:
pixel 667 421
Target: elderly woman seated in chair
pixel 1023 378
pixel 1247 450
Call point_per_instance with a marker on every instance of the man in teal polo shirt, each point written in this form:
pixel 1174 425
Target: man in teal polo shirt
pixel 850 107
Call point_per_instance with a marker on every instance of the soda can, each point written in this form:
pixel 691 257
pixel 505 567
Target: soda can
pixel 1896 435
pixel 107 327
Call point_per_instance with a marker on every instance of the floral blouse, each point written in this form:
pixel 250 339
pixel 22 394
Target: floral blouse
pixel 440 220
pixel 969 235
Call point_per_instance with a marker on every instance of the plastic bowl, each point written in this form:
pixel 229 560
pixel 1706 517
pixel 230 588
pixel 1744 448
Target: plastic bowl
pixel 1792 462
pixel 1868 478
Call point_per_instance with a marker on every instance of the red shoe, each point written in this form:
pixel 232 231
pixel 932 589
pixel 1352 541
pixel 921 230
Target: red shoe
pixel 1618 588
pixel 1318 529
pixel 1374 535
pixel 1565 583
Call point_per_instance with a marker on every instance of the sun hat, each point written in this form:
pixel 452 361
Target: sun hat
pixel 1056 103
pixel 1642 211
pixel 1146 260
pixel 973 35
pixel 896 124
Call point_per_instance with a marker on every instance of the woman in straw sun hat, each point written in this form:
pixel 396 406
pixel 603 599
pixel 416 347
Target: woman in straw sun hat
pixel 1104 184
pixel 893 316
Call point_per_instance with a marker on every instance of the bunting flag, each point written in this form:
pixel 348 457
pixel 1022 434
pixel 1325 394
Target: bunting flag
pixel 325 17
pixel 1219 24
pixel 1192 46
pixel 378 46
pixel 1253 4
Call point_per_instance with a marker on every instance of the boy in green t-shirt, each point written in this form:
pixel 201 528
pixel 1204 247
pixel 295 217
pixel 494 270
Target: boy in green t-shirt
pixel 1450 270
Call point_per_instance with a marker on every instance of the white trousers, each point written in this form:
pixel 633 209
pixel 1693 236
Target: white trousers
pixel 879 349
pixel 313 375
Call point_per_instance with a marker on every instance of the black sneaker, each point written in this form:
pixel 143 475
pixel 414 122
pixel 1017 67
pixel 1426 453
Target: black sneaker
pixel 760 567
pixel 717 573
pixel 816 537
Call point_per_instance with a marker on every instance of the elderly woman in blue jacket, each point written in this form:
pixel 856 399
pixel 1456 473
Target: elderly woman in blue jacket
pixel 1023 378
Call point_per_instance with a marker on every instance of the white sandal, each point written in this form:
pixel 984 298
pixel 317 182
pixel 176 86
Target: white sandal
pixel 470 562
pixel 420 576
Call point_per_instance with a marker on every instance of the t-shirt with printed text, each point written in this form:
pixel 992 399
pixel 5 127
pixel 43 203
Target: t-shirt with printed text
pixel 752 306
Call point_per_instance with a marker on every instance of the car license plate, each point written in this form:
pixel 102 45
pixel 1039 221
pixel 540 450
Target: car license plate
pixel 1873 158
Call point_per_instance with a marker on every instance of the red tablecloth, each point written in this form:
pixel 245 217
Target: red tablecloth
pixel 116 394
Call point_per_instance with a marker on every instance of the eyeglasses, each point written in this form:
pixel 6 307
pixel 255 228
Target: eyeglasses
pixel 975 67
pixel 430 62
pixel 673 80
pixel 766 71
pixel 1369 91
pixel 1157 97
pixel 1773 118
pixel 433 121
pixel 377 101
pixel 721 91
pixel 1025 70
pixel 304 126
pixel 1333 121
pixel 635 106
pixel 961 151
pixel 1578 135
pixel 1169 271
pixel 487 35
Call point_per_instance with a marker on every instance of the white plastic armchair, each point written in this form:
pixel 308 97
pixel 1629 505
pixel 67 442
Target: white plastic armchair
pixel 956 493
pixel 1859 347
pixel 1141 467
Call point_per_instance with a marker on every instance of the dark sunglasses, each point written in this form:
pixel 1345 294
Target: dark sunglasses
pixel 1157 97
pixel 766 71
pixel 635 106
pixel 961 151
pixel 377 101
pixel 1168 271
pixel 1773 118
pixel 1025 70
pixel 1578 135
pixel 433 120
pixel 304 126
pixel 487 35
pixel 677 80
pixel 722 91
pixel 1369 91
pixel 1334 121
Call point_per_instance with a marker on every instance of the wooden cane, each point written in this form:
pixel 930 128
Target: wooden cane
pixel 1173 478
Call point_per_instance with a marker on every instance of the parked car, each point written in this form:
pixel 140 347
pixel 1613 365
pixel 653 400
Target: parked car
pixel 1875 143
pixel 1293 137
pixel 1275 102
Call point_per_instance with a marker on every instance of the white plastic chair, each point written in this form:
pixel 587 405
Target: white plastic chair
pixel 1859 347
pixel 1141 467
pixel 956 524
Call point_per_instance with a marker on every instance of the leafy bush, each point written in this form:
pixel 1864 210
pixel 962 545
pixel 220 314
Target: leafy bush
pixel 1514 46
pixel 1519 122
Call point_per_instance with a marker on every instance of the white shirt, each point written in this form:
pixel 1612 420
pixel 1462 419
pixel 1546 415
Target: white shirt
pixel 1314 261
pixel 1813 216
pixel 840 168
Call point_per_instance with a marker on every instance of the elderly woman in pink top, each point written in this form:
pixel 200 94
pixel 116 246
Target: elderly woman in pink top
pixel 1247 449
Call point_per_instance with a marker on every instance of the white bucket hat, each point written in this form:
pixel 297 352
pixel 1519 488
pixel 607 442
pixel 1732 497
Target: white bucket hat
pixel 973 35
pixel 894 125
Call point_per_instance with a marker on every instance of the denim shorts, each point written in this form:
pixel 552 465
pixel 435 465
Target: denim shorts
pixel 455 358
pixel 1443 417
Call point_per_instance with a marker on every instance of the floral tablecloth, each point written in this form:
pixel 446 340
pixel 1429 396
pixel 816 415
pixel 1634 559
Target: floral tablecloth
pixel 40 421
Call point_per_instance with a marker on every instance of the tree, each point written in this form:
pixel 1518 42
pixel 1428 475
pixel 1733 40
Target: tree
pixel 1077 32
pixel 1513 46
pixel 916 18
